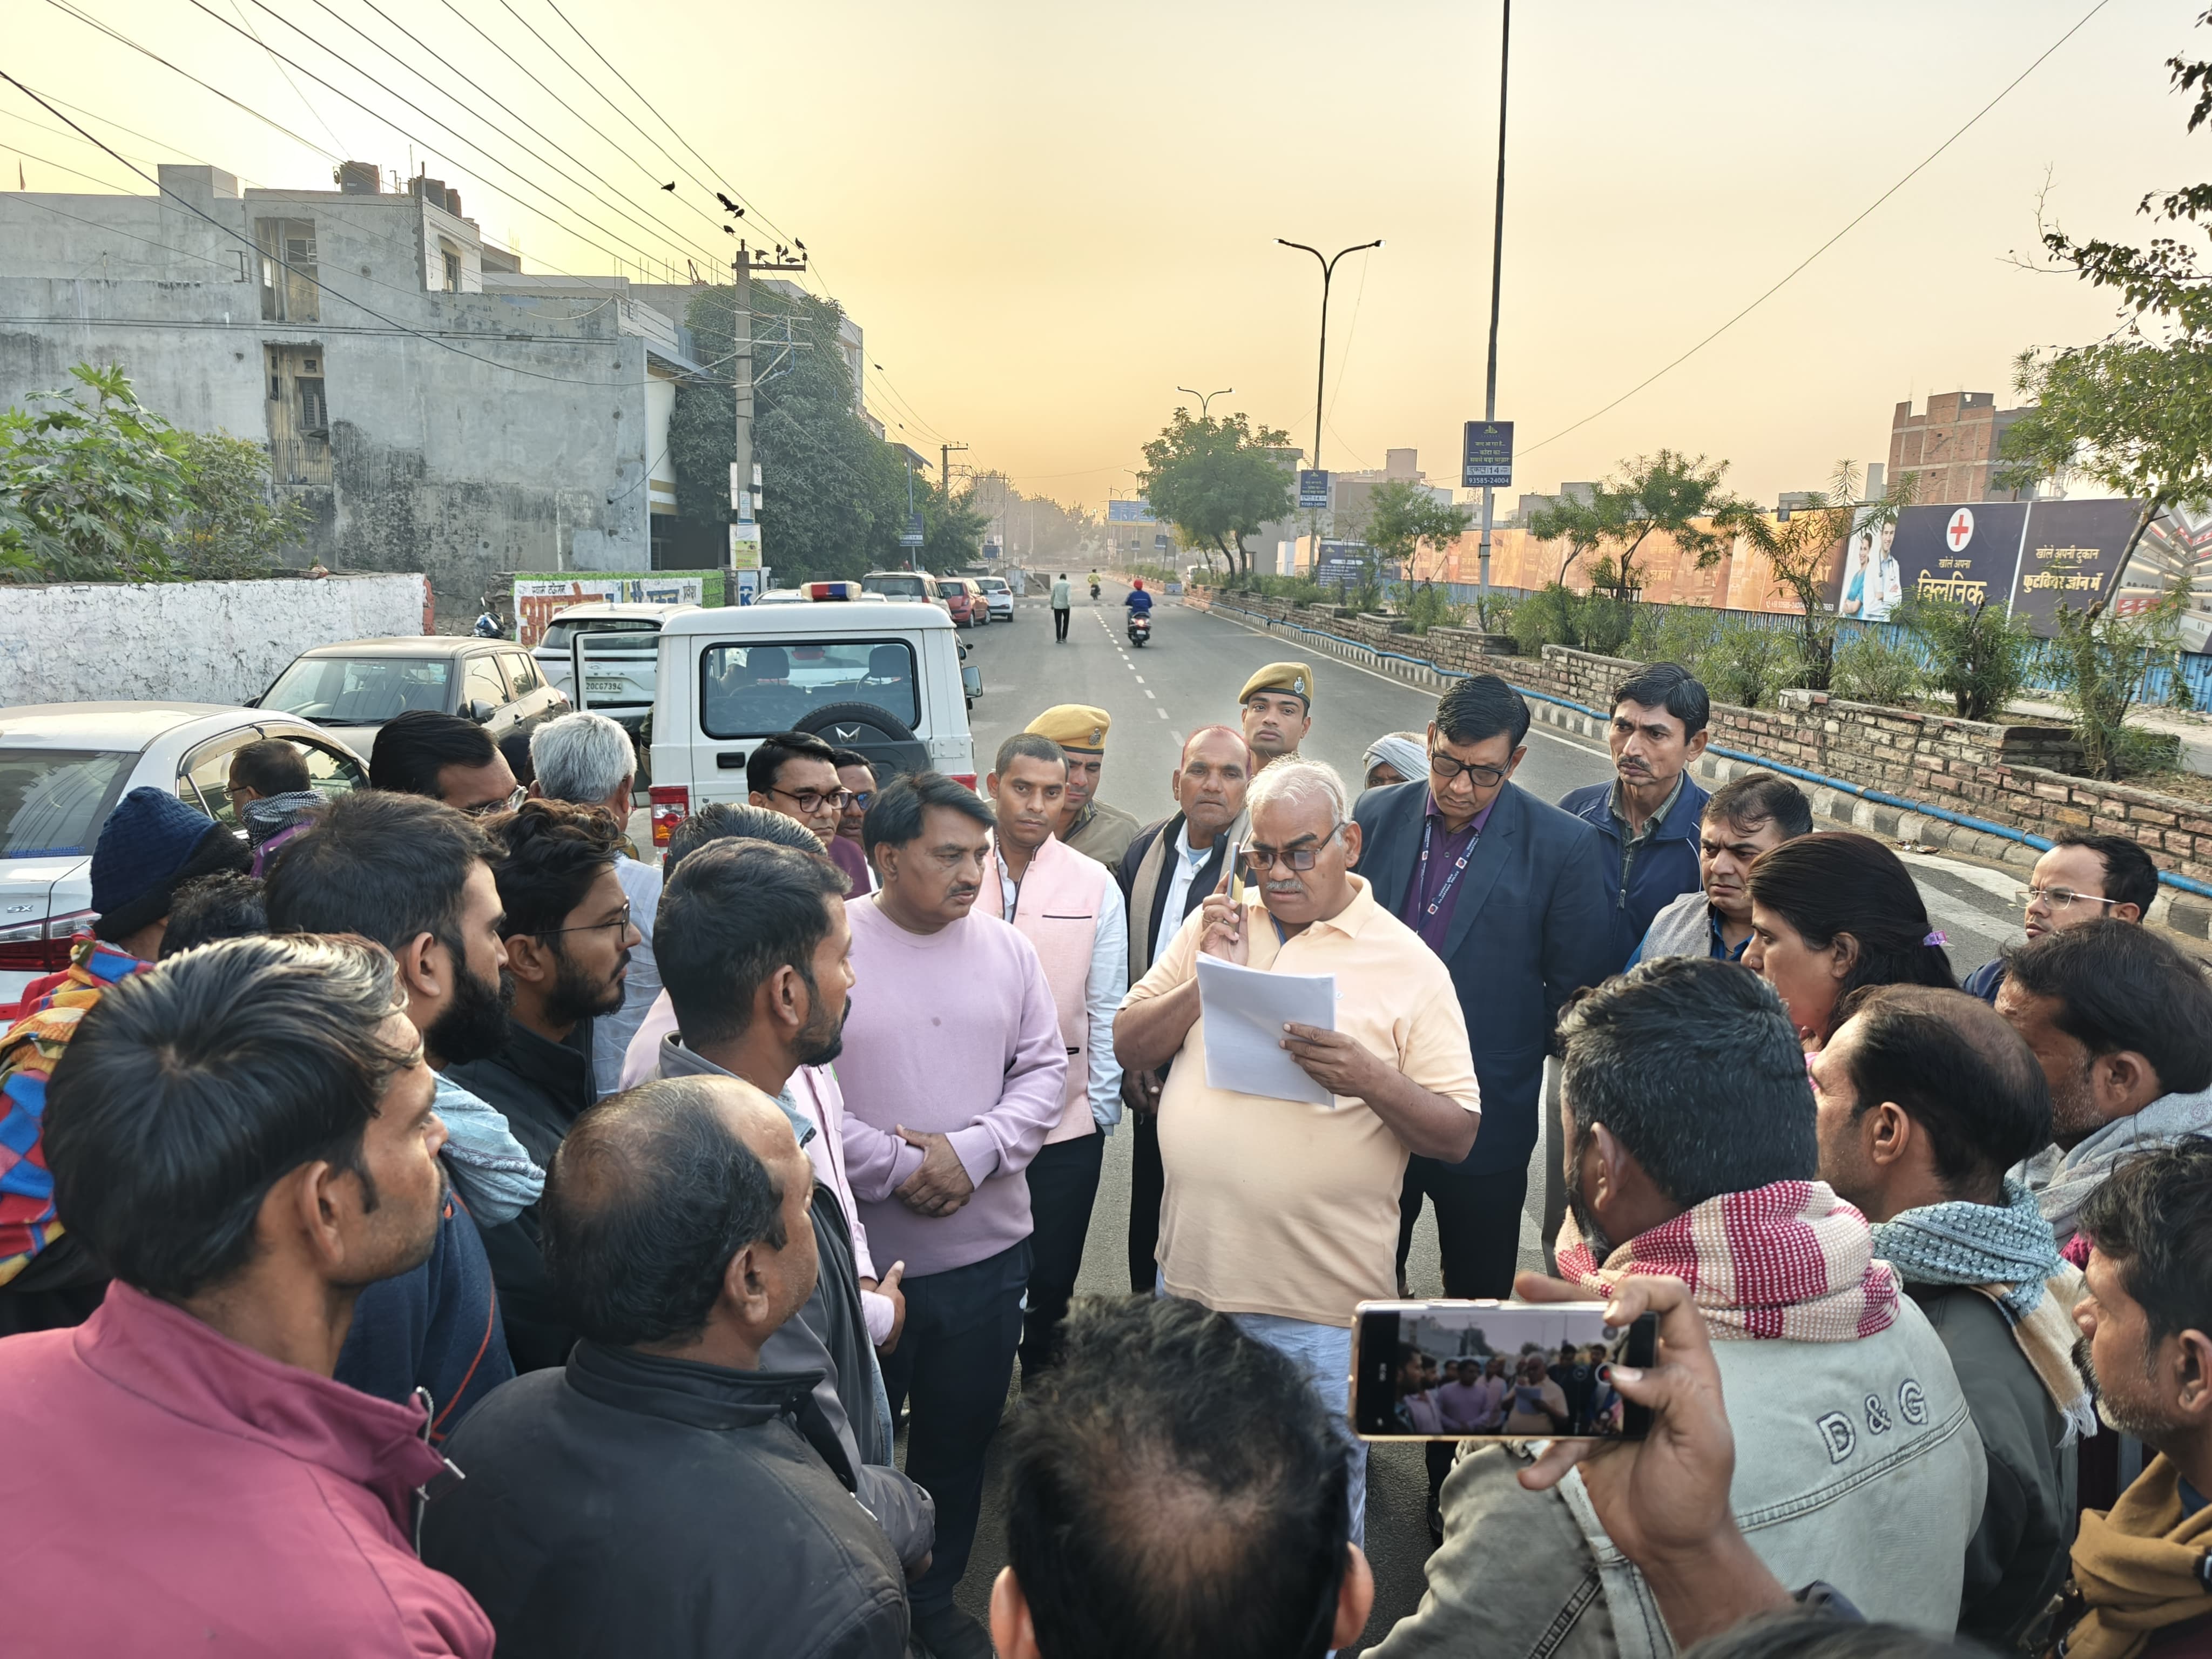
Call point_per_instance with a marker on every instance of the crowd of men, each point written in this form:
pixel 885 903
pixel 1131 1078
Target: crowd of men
pixel 427 1226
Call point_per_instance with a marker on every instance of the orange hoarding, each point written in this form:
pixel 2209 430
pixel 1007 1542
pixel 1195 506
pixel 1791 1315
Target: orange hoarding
pixel 1740 579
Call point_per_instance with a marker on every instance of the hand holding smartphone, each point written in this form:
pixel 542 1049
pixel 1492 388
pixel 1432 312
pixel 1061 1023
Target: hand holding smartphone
pixel 1494 1371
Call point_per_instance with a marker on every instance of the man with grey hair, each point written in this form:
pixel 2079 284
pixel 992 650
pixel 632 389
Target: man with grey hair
pixel 1283 1212
pixel 589 759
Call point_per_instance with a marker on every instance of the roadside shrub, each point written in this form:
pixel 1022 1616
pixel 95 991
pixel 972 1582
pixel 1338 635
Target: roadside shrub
pixel 1870 667
pixel 1979 652
pixel 1746 666
pixel 2105 662
pixel 1428 606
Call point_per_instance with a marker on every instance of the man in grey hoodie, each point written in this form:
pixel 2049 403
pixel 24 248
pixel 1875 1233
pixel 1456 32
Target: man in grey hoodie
pixel 2122 1022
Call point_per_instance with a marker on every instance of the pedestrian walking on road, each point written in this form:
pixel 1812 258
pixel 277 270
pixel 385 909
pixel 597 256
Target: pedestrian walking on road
pixel 1069 908
pixel 1062 599
pixel 1086 823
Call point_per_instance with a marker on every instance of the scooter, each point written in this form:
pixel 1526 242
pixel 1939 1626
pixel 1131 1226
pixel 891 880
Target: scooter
pixel 1094 590
pixel 1140 628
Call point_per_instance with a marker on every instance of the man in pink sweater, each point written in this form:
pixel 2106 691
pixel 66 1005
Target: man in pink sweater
pixel 953 1071
pixel 246 1135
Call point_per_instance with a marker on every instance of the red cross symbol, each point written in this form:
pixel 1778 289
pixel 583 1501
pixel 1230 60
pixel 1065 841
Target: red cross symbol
pixel 1961 529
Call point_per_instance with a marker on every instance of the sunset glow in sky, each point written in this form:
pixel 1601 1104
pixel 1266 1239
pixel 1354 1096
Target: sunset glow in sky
pixel 1046 217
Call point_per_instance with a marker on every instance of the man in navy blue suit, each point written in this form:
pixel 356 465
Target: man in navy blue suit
pixel 1513 894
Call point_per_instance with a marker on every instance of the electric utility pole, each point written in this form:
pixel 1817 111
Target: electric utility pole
pixel 745 472
pixel 1496 273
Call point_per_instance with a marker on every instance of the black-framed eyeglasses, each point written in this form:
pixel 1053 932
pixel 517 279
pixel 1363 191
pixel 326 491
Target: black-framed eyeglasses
pixel 813 800
pixel 484 809
pixel 1295 858
pixel 1443 768
pixel 859 798
pixel 620 924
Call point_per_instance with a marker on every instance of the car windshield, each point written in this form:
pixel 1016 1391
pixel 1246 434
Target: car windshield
pixel 994 584
pixel 558 636
pixel 747 690
pixel 899 587
pixel 361 690
pixel 54 800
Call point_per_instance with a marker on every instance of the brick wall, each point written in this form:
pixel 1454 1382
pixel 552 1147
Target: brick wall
pixel 2019 776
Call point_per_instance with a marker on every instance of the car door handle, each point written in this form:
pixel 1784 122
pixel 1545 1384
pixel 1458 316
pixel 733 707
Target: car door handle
pixel 730 762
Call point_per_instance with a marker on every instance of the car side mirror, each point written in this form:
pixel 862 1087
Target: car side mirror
pixel 971 680
pixel 480 712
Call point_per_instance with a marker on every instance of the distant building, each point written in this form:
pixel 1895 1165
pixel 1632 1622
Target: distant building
pixel 434 407
pixel 1949 450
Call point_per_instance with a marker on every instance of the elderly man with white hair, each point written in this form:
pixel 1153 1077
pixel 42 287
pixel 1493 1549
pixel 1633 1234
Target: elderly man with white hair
pixel 589 759
pixel 1281 1214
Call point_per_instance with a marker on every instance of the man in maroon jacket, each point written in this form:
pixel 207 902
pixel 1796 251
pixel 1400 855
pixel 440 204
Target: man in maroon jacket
pixel 244 1136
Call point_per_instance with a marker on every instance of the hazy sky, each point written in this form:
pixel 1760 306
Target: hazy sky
pixel 1046 217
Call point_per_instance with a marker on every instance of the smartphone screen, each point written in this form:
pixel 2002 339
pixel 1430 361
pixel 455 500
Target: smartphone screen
pixel 1494 1371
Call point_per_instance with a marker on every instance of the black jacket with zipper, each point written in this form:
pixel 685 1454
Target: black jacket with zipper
pixel 631 1504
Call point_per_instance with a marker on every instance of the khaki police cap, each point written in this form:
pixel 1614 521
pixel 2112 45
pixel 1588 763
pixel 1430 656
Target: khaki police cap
pixel 1073 725
pixel 1291 678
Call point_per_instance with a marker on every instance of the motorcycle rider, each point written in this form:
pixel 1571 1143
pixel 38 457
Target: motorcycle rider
pixel 1140 603
pixel 1094 584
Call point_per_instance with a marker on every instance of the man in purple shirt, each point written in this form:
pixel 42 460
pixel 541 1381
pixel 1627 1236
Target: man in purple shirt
pixel 1512 894
pixel 952 1072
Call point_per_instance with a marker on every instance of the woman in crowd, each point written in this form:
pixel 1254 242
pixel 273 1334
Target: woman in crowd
pixel 1834 911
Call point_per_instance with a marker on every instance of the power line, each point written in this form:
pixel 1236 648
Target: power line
pixel 681 238
pixel 391 322
pixel 505 167
pixel 289 80
pixel 1854 222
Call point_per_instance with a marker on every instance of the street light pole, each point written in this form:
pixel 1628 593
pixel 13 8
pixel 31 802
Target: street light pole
pixel 1497 273
pixel 1320 374
pixel 1206 398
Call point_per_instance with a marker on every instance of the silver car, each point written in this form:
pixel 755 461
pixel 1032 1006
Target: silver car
pixel 351 689
pixel 64 765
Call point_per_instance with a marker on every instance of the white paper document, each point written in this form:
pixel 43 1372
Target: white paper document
pixel 1245 1010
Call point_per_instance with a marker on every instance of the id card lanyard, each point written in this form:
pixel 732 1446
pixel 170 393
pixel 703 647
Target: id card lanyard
pixel 1451 878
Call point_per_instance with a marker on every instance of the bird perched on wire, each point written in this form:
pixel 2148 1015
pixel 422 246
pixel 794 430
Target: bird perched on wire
pixel 670 188
pixel 729 207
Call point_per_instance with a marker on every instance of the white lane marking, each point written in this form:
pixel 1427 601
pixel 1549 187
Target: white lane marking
pixel 1133 669
pixel 1148 693
pixel 1162 713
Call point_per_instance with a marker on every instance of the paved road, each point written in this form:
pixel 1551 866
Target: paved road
pixel 1187 677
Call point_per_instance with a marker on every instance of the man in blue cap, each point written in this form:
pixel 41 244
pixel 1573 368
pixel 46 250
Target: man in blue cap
pixel 151 844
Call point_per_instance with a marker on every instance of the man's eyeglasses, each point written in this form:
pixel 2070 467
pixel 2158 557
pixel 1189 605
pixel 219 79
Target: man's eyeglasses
pixel 1294 858
pixel 620 924
pixel 859 798
pixel 813 800
pixel 484 809
pixel 2057 898
pixel 1443 768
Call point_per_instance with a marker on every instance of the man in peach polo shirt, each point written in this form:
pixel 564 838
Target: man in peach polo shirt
pixel 1280 1213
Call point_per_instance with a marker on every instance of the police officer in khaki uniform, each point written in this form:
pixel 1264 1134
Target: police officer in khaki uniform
pixel 1277 710
pixel 1090 825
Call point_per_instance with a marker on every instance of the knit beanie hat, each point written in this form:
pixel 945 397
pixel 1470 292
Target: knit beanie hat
pixel 151 842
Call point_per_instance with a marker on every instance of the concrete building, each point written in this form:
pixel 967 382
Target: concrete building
pixel 435 407
pixel 1949 448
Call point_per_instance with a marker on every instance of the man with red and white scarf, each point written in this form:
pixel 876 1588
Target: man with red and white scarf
pixel 1691 1154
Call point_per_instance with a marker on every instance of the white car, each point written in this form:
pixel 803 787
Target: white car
pixel 1000 595
pixel 883 677
pixel 64 765
pixel 621 644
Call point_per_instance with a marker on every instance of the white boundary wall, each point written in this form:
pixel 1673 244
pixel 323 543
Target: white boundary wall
pixel 203 642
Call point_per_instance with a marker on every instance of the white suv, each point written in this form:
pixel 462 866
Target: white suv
pixel 883 677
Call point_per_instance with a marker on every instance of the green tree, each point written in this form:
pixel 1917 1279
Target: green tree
pixel 1402 518
pixel 228 527
pixel 1667 491
pixel 1802 553
pixel 1218 481
pixel 834 494
pixel 952 530
pixel 91 485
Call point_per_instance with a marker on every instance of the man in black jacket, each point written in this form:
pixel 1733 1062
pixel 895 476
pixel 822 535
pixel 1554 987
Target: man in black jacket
pixel 1166 873
pixel 568 933
pixel 662 1493
pixel 1512 894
